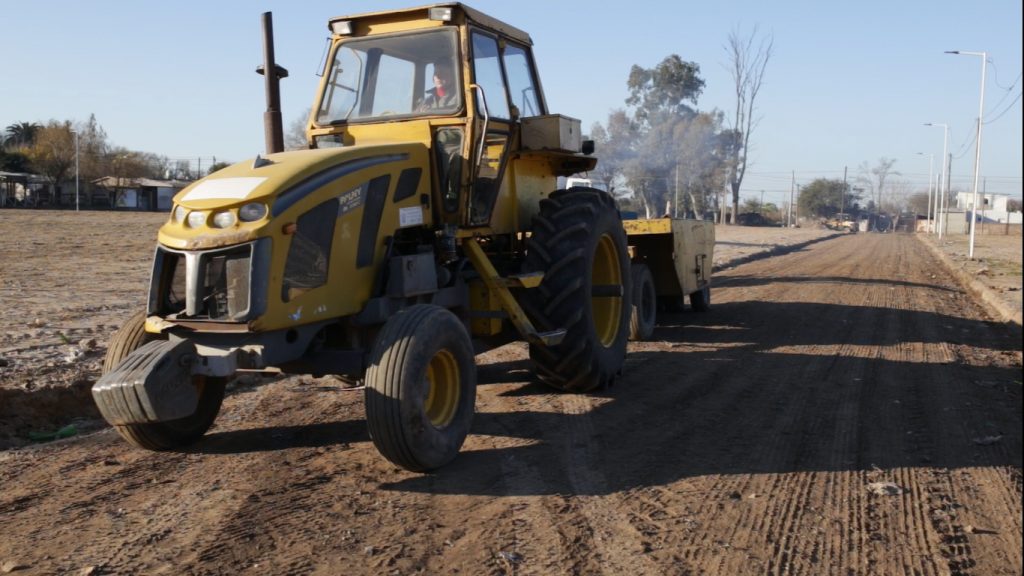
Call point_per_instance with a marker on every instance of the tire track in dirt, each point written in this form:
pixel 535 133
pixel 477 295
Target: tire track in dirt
pixel 870 520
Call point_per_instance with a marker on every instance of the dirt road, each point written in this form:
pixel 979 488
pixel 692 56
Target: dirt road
pixel 841 409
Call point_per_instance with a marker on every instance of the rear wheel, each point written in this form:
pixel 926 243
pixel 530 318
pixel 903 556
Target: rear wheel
pixel 173 433
pixel 645 302
pixel 580 245
pixel 421 388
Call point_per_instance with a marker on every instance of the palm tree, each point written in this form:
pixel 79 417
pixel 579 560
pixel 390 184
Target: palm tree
pixel 21 134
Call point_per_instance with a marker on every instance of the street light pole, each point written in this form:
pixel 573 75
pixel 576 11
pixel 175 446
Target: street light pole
pixel 943 203
pixel 977 145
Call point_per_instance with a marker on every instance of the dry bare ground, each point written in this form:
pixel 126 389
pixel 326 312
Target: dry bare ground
pixel 841 409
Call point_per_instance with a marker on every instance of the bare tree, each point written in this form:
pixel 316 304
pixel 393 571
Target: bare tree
pixel 295 137
pixel 874 178
pixel 748 59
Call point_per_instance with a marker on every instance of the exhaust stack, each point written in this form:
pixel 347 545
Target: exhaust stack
pixel 272 125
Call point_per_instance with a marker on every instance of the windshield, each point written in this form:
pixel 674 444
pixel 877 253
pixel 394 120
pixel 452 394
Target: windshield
pixel 401 75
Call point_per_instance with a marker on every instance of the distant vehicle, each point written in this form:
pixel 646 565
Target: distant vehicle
pixel 843 222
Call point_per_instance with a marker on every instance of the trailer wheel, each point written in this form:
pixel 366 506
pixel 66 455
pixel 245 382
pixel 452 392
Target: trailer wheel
pixel 174 433
pixel 700 300
pixel 579 243
pixel 645 303
pixel 421 388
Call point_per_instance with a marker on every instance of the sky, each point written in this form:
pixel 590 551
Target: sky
pixel 848 83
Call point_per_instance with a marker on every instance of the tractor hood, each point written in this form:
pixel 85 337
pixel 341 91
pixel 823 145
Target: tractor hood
pixel 254 198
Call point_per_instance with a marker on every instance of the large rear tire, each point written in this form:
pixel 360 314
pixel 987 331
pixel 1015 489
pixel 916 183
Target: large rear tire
pixel 173 433
pixel 579 243
pixel 421 388
pixel 645 303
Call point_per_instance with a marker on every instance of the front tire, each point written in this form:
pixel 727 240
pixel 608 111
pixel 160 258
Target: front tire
pixel 580 245
pixel 421 388
pixel 173 433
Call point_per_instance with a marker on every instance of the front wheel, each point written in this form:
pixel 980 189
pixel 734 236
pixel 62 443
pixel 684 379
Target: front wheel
pixel 173 433
pixel 421 388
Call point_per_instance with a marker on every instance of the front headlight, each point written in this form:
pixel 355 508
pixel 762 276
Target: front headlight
pixel 252 211
pixel 197 219
pixel 179 214
pixel 224 219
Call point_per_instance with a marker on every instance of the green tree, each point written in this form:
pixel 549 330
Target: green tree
pixel 666 88
pixel 92 152
pixel 613 148
pixel 21 134
pixel 823 198
pixel 218 166
pixel 701 162
pixel 13 161
pixel 668 154
pixel 659 100
pixel 52 154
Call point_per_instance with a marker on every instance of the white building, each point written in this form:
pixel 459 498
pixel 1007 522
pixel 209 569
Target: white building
pixel 991 207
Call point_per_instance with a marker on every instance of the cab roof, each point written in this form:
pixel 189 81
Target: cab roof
pixel 471 15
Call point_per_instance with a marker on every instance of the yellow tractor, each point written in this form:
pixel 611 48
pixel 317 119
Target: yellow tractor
pixel 422 218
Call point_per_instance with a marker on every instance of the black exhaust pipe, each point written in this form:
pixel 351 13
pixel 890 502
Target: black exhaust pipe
pixel 273 127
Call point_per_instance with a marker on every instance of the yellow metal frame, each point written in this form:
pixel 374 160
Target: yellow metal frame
pixel 499 287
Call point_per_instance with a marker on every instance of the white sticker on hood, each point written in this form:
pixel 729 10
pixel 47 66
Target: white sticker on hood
pixel 223 189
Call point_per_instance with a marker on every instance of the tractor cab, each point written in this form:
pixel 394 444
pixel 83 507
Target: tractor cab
pixel 465 85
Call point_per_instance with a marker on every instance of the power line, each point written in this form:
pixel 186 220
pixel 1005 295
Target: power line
pixel 1007 109
pixel 995 76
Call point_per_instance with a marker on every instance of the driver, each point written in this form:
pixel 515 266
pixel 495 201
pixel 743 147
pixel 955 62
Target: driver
pixel 443 94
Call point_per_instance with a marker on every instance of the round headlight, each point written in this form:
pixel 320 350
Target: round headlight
pixel 224 219
pixel 179 214
pixel 252 212
pixel 197 219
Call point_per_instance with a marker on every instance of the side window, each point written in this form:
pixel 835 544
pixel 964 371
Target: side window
pixel 521 86
pixel 310 250
pixel 343 86
pixel 487 74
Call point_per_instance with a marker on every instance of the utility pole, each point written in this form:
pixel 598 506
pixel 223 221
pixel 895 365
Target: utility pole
pixel 842 203
pixel 797 200
pixel 792 187
pixel 760 207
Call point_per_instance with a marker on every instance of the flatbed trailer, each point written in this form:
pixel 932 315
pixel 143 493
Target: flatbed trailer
pixel 671 260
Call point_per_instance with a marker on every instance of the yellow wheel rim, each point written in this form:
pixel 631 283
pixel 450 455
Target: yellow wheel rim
pixel 606 310
pixel 443 385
